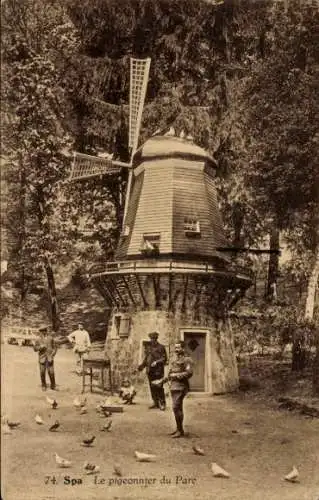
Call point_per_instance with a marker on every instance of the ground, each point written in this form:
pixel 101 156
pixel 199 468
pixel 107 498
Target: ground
pixel 255 443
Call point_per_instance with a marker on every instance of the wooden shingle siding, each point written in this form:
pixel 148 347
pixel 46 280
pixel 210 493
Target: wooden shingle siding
pixel 131 215
pixel 214 213
pixel 154 212
pixel 192 199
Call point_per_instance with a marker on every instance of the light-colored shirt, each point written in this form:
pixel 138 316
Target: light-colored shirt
pixel 81 338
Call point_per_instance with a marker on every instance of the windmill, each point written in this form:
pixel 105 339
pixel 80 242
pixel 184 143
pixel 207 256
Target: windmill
pixel 169 269
pixel 87 166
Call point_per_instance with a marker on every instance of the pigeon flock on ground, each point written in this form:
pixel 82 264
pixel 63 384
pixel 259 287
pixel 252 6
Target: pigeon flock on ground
pixel 80 404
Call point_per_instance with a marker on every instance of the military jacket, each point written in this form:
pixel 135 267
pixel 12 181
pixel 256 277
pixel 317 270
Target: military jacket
pixel 180 372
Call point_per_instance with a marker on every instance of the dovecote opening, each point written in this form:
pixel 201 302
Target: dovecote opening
pixel 191 226
pixel 151 244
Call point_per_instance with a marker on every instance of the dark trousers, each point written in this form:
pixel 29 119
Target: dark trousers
pixel 177 405
pixel 157 393
pixel 47 366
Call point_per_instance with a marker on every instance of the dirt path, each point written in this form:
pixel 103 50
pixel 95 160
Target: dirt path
pixel 255 444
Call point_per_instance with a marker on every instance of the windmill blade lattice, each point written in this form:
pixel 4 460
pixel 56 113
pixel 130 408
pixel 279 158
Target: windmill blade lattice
pixel 86 166
pixel 138 84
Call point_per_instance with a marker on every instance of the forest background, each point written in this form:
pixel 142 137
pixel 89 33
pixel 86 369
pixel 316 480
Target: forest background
pixel 240 76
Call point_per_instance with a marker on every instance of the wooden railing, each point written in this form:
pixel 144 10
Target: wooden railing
pixel 169 266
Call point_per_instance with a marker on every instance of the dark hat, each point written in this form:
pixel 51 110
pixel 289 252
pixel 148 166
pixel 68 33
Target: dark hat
pixel 153 335
pixel 43 328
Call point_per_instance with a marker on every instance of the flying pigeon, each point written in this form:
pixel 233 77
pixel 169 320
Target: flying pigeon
pixel 55 426
pixel 12 424
pixel 39 420
pixel 144 457
pixel 293 476
pixel 107 427
pixel 117 471
pixel 88 442
pixel 198 451
pixel 219 471
pixel 62 462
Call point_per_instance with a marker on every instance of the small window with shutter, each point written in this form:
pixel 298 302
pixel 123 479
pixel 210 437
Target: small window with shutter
pixel 191 226
pixel 121 325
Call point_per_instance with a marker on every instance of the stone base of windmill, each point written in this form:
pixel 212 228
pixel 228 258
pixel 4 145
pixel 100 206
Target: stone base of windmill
pixel 209 343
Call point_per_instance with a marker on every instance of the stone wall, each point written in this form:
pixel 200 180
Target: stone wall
pixel 126 352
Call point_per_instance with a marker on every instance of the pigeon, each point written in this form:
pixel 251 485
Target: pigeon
pixel 198 451
pixel 170 132
pixel 144 457
pixel 293 476
pixel 55 426
pixel 88 442
pixel 78 403
pixel 117 471
pixel 62 462
pixel 39 420
pixel 219 471
pixel 88 466
pixel 95 470
pixel 107 427
pixel 83 410
pixel 12 424
pixel 5 429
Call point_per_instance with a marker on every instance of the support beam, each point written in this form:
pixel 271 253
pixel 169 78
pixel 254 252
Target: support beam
pixel 141 290
pixel 184 294
pixel 170 283
pixel 128 290
pixel 116 289
pixel 156 282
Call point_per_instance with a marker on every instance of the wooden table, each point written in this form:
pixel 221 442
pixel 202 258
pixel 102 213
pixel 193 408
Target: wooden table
pixel 98 364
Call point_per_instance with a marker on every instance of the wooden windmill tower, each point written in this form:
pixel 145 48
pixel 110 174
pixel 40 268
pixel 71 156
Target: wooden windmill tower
pixel 169 274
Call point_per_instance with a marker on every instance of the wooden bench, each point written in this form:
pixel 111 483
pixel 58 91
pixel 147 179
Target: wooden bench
pixel 100 364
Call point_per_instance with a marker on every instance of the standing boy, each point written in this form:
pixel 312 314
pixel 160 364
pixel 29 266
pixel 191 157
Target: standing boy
pixel 80 338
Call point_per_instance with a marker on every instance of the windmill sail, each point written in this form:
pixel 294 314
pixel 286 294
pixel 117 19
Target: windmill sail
pixel 138 83
pixel 86 166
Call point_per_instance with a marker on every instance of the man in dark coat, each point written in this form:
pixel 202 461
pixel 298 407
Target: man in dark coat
pixel 179 374
pixel 154 362
pixel 46 347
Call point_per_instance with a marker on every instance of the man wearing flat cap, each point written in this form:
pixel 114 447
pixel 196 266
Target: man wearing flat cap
pixel 46 347
pixel 154 361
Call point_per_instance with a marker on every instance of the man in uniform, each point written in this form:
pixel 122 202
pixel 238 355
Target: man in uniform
pixel 80 338
pixel 178 376
pixel 154 362
pixel 46 347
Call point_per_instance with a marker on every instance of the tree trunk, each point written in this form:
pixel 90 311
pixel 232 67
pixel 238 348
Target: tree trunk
pixel 273 264
pixel 312 287
pixel 52 295
pixel 309 309
pixel 315 370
